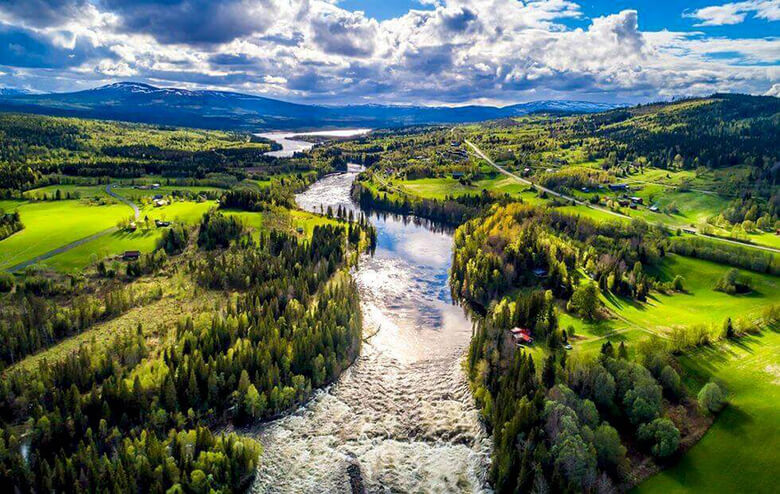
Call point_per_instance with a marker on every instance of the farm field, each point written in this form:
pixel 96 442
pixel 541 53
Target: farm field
pixel 49 225
pixel 699 305
pixel 142 240
pixel 440 188
pixel 164 190
pixel 739 452
pixel 83 191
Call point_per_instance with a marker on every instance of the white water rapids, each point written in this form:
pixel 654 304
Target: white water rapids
pixel 402 418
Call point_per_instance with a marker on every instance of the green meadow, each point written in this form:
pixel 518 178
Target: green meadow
pixel 739 452
pixel 53 224
pixel 699 304
pixel 164 190
pixel 142 239
pixel 440 188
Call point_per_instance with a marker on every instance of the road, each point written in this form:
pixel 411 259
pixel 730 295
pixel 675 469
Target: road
pixel 485 157
pixel 81 241
pixel 113 194
pixel 549 191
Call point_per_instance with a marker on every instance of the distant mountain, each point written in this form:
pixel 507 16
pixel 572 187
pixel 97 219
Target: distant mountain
pixel 12 91
pixel 137 102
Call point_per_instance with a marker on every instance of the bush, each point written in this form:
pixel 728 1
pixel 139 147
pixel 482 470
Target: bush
pixel 733 282
pixel 174 240
pixel 712 399
pixel 585 300
pixel 6 282
pixel 662 435
pixel 609 450
pixel 670 381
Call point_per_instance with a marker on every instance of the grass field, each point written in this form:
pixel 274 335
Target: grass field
pixel 49 225
pixel 84 191
pixel 700 304
pixel 739 452
pixel 120 241
pixel 439 188
pixel 164 190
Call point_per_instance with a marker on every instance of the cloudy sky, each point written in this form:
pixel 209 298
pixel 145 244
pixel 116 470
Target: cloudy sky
pixel 398 51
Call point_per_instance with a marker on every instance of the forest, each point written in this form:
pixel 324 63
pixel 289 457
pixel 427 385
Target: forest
pixel 564 422
pixel 134 413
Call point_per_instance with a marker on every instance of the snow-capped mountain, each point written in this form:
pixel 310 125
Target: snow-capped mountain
pixel 139 102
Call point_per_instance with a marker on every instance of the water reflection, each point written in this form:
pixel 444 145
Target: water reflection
pixel 291 146
pixel 402 416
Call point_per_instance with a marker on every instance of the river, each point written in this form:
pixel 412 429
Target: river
pixel 291 146
pixel 402 418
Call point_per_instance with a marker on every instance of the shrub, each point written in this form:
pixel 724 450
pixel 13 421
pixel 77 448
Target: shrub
pixel 585 300
pixel 712 399
pixel 670 381
pixel 609 450
pixel 662 436
pixel 6 282
pixel 733 282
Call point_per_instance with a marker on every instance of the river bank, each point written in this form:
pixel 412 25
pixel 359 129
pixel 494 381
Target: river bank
pixel 402 418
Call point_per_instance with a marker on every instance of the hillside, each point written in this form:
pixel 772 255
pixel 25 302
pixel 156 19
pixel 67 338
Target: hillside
pixel 136 102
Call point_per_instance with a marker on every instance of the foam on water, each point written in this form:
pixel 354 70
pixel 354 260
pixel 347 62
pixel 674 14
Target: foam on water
pixel 403 413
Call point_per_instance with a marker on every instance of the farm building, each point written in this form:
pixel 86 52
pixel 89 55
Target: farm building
pixel 618 186
pixel 522 336
pixel 131 255
pixel 637 200
pixel 159 202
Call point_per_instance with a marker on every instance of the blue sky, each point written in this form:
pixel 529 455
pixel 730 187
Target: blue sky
pixel 398 51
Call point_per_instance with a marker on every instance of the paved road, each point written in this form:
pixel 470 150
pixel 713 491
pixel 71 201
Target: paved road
pixel 549 191
pixel 81 241
pixel 583 203
pixel 123 199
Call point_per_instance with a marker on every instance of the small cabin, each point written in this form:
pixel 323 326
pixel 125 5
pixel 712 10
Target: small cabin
pixel 161 223
pixel 521 336
pixel 159 203
pixel 637 200
pixel 618 186
pixel 623 202
pixel 540 272
pixel 155 186
pixel 455 144
pixel 654 209
pixel 132 227
pixel 131 255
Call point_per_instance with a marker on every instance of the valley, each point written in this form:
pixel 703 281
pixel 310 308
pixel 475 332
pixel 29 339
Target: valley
pixel 474 308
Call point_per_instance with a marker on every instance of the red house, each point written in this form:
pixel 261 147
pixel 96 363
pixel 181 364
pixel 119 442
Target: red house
pixel 522 336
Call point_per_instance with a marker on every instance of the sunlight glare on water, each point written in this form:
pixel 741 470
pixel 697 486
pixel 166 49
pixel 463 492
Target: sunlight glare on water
pixel 402 416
